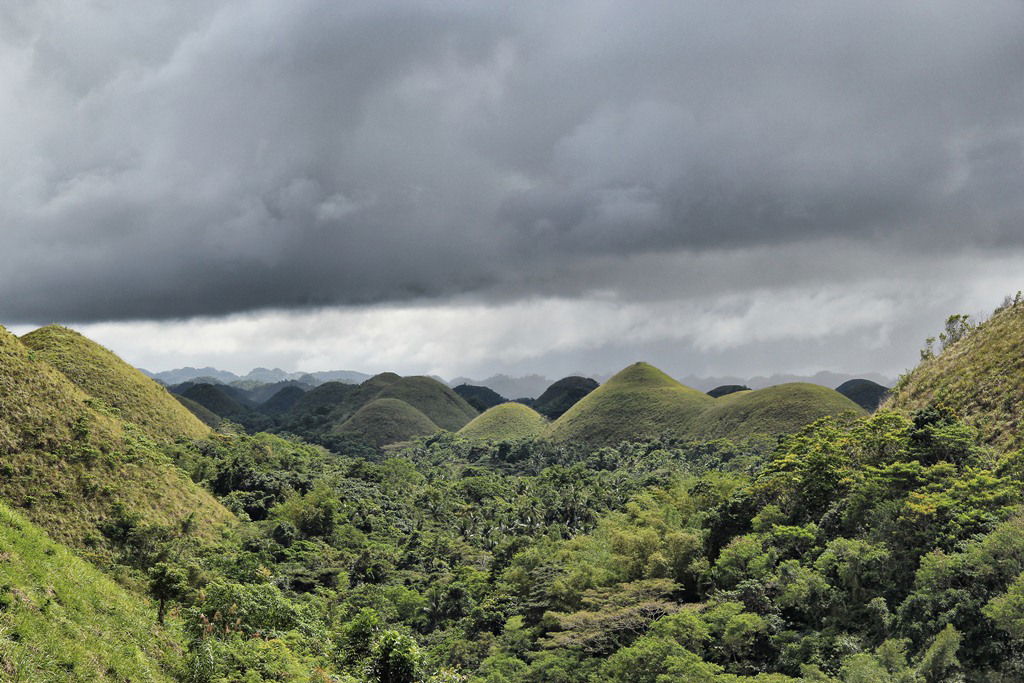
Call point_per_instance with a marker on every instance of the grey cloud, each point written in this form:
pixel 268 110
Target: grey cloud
pixel 198 158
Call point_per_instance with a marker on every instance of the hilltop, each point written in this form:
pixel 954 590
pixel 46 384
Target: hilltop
pixel 639 402
pixel 865 393
pixel 102 375
pixel 75 465
pixel 480 398
pixel 980 376
pixel 562 395
pixel 773 410
pixel 505 422
pixel 385 421
pixel 726 389
pixel 443 406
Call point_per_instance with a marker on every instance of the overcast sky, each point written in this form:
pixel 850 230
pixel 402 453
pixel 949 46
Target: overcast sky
pixel 466 187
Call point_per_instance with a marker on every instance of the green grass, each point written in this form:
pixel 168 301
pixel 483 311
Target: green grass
pixel 642 402
pixel 63 620
pixel 505 422
pixel 102 375
pixel 981 377
pixel 443 406
pixel 386 421
pixel 72 464
pixel 637 403
pixel 773 410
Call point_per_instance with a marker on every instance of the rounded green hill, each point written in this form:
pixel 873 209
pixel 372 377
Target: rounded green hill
pixel 505 422
pixel 385 421
pixel 562 395
pixel 639 402
pixel 51 432
pixel 443 406
pixel 772 410
pixel 102 375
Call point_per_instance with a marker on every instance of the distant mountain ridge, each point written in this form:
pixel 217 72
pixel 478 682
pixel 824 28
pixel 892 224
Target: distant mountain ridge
pixel 256 375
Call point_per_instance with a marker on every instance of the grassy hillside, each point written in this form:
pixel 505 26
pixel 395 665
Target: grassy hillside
pixel 981 377
pixel 62 620
pixel 562 395
pixel 865 393
pixel 727 389
pixel 480 398
pixel 443 406
pixel 74 466
pixel 102 375
pixel 638 402
pixel 385 421
pixel 505 422
pixel 773 410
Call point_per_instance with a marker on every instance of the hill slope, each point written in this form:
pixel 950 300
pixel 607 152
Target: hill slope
pixel 727 389
pixel 562 395
pixel 74 467
pixel 102 375
pixel 638 402
pixel 480 398
pixel 773 410
pixel 214 398
pixel 385 421
pixel 865 393
pixel 443 406
pixel 64 620
pixel 505 422
pixel 981 377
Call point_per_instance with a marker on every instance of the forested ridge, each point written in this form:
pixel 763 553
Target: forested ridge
pixel 861 547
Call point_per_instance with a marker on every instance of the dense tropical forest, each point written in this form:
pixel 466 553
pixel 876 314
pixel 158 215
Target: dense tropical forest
pixel 398 531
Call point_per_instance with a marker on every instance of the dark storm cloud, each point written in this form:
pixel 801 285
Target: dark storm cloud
pixel 204 158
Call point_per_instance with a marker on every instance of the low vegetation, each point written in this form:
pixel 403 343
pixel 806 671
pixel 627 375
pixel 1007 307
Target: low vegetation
pixel 625 545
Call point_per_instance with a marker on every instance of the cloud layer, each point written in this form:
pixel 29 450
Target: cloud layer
pixel 196 158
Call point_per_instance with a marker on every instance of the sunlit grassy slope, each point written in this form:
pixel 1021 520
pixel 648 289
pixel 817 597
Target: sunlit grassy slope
pixel 62 620
pixel 642 402
pixel 387 420
pixel 73 465
pixel 772 410
pixel 638 402
pixel 505 422
pixel 981 377
pixel 102 375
